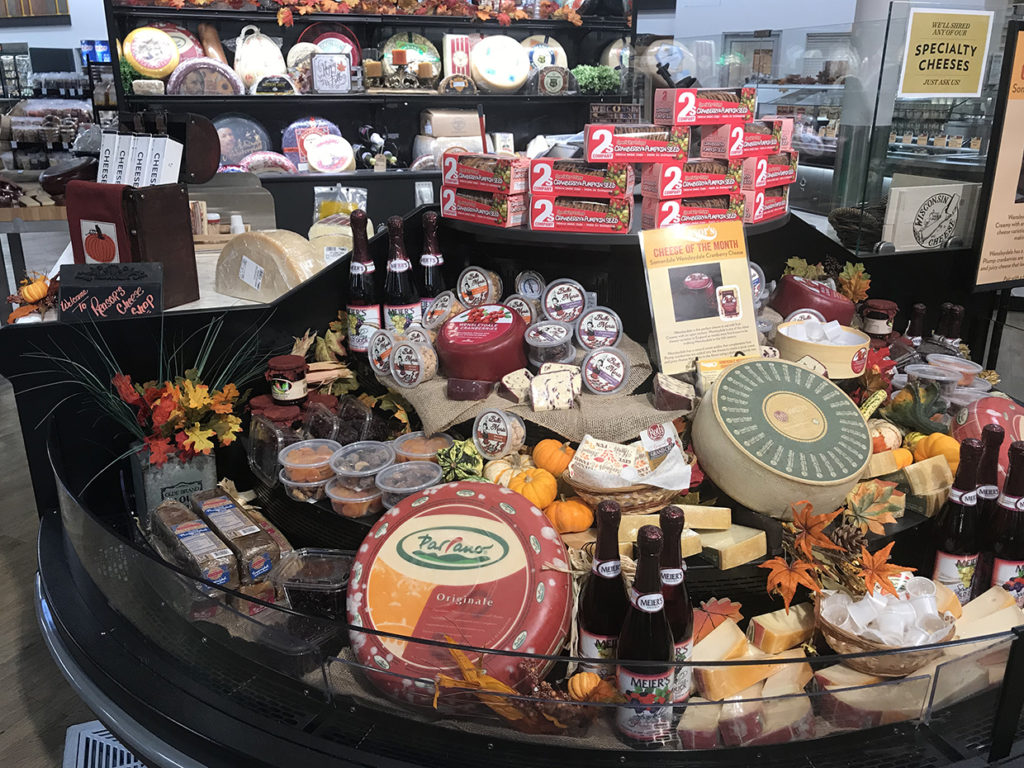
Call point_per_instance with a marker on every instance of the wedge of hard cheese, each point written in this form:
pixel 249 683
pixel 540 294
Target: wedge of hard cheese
pixel 985 604
pixel 698 727
pixel 780 631
pixel 954 679
pixel 879 464
pixel 741 719
pixel 736 546
pixel 696 517
pixel 996 623
pixel 785 719
pixel 717 683
pixel 262 266
pixel 724 642
pixel 891 702
pixel 837 676
pixel 791 678
pixel 946 600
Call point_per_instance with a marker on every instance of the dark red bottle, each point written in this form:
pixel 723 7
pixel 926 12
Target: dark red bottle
pixel 363 306
pixel 431 262
pixel 1006 534
pixel 603 602
pixel 645 720
pixel 401 299
pixel 677 600
pixel 955 528
pixel 988 498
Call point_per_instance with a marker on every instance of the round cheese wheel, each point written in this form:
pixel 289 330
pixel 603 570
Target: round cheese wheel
pixel 483 343
pixel 499 64
pixel 293 144
pixel 469 560
pixel 970 421
pixel 329 154
pixel 616 54
pixel 771 433
pixel 188 44
pixel 204 77
pixel 240 135
pixel 545 51
pixel 417 48
pixel 793 293
pixel 151 52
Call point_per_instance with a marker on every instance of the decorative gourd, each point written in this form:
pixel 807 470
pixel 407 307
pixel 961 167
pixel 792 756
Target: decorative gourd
pixel 903 456
pixel 938 444
pixel 460 461
pixel 538 486
pixel 912 439
pixel 582 684
pixel 553 456
pixel 501 471
pixel 570 515
pixel 99 247
pixel 889 432
pixel 35 290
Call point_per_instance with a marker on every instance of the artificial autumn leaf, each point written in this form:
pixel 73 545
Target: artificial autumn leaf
pixel 784 578
pixel 224 401
pixel 22 311
pixel 475 679
pixel 854 282
pixel 810 528
pixel 878 371
pixel 335 341
pixel 160 449
pixel 194 396
pixel 396 404
pixel 876 570
pixel 226 428
pixel 198 439
pixel 712 613
pixel 799 267
pixel 870 506
pixel 285 18
pixel 163 411
pixel 125 390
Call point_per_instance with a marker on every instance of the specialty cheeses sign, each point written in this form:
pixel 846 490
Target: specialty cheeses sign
pixel 945 53
pixel 471 561
pixel 698 284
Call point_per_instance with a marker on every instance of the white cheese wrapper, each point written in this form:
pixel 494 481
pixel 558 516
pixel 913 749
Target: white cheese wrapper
pixel 602 464
pixel 673 473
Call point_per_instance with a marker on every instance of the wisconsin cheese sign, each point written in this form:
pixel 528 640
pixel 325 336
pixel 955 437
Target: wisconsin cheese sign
pixel 473 561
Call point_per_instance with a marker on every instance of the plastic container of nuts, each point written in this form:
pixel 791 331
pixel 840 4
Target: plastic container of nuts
pixel 308 461
pixel 497 433
pixel 349 503
pixel 306 492
pixel 477 286
pixel 401 480
pixel 357 465
pixel 413 363
pixel 445 306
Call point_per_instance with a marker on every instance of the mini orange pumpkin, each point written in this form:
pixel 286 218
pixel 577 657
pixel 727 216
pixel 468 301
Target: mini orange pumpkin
pixel 553 456
pixel 582 684
pixel 570 515
pixel 903 456
pixel 538 486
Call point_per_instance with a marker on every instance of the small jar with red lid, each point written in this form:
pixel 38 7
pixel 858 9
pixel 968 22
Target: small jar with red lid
pixel 287 377
pixel 877 316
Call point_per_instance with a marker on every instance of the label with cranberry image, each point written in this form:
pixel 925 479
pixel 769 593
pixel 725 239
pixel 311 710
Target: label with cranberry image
pixel 479 324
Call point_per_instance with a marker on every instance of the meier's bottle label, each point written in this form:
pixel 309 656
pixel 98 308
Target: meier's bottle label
pixel 988 492
pixel 964 498
pixel 957 573
pixel 671 577
pixel 362 322
pixel 647 713
pixel 398 317
pixel 597 647
pixel 1009 574
pixel 607 569
pixel 1013 503
pixel 682 679
pixel 431 260
pixel 648 602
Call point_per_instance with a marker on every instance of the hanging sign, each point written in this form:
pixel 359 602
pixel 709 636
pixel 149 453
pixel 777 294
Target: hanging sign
pixel 945 53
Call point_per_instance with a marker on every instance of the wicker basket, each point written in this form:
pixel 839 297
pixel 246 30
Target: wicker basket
pixel 633 499
pixel 889 665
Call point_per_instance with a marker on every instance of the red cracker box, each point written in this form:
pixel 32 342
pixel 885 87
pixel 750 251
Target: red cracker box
pixel 783 128
pixel 643 143
pixel 485 173
pixel 704 106
pixel 765 204
pixel 731 142
pixel 656 214
pixel 768 171
pixel 492 208
pixel 694 178
pixel 578 178
pixel 568 214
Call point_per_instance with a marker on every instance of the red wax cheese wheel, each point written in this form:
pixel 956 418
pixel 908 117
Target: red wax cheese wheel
pixel 188 44
pixel 470 560
pixel 483 343
pixel 991 410
pixel 793 293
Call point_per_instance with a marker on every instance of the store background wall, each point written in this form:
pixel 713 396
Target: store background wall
pixel 87 23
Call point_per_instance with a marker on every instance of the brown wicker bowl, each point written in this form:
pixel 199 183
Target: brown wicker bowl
pixel 633 499
pixel 889 665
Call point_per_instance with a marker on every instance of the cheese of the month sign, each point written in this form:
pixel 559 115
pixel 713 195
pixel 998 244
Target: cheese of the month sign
pixel 471 561
pixel 945 53
pixel 701 300
pixel 772 431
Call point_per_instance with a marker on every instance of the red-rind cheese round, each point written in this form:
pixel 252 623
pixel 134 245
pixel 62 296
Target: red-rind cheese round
pixel 469 560
pixel 793 293
pixel 483 343
pixel 991 410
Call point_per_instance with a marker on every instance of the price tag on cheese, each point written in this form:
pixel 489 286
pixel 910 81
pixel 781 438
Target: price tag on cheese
pixel 468 560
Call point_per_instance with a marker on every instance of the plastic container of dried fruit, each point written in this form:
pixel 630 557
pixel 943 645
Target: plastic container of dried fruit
pixel 349 503
pixel 356 465
pixel 966 368
pixel 308 461
pixel 315 580
pixel 406 448
pixel 401 480
pixel 306 492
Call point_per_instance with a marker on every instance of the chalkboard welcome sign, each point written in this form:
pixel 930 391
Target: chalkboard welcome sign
pixel 93 292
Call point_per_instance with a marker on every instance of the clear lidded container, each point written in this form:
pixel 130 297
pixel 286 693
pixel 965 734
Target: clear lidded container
pixel 308 461
pixel 417 446
pixel 564 300
pixel 315 580
pixel 923 374
pixel 306 492
pixel 413 363
pixel 497 433
pixel 401 480
pixel 967 369
pixel 598 327
pixel 549 341
pixel 349 503
pixel 357 464
pixel 605 371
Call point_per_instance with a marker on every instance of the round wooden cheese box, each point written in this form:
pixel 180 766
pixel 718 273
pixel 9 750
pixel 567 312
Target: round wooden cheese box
pixel 771 433
pixel 471 561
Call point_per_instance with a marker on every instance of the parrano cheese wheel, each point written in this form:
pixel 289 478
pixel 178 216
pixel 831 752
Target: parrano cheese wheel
pixel 469 560
pixel 151 52
pixel 970 422
pixel 499 63
pixel 771 433
pixel 262 266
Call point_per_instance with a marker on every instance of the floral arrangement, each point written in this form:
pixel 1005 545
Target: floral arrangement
pixel 36 294
pixel 852 280
pixel 182 418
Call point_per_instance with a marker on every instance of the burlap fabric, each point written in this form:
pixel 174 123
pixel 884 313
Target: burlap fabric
pixel 619 418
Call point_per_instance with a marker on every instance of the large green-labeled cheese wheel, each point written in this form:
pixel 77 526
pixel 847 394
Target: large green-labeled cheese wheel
pixel 771 433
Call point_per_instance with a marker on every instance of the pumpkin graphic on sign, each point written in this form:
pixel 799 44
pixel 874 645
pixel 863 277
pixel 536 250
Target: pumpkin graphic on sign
pixel 100 247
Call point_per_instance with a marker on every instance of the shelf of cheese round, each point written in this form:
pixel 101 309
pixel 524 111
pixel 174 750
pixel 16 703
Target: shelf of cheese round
pixel 470 560
pixel 499 64
pixel 262 266
pixel 771 433
pixel 482 344
pixel 151 52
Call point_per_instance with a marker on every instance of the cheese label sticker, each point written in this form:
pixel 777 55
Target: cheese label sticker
pixel 333 252
pixel 564 301
pixel 99 241
pixel 250 273
pixel 381 344
pixel 488 322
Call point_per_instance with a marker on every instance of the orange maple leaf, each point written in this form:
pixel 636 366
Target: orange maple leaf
pixel 483 15
pixel 785 578
pixel 876 570
pixel 224 401
pixel 504 19
pixel 160 449
pixel 712 613
pixel 811 528
pixel 285 17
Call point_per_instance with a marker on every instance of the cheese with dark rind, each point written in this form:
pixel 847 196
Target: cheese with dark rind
pixel 470 560
pixel 673 395
pixel 794 292
pixel 482 347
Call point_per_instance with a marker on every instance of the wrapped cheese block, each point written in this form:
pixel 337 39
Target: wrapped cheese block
pixel 256 56
pixel 191 543
pixel 261 266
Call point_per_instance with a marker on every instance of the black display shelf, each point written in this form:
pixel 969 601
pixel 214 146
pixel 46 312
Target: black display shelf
pixel 427 98
pixel 590 23
pixel 361 175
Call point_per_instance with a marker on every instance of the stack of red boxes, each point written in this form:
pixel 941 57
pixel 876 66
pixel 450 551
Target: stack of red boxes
pixel 484 189
pixel 572 195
